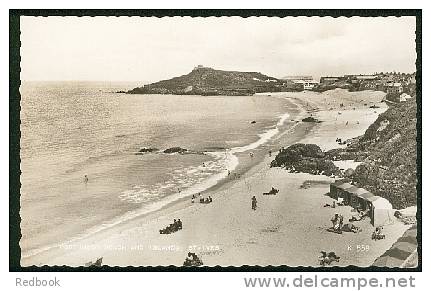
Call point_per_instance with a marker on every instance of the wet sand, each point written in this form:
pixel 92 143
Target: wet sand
pixel 289 228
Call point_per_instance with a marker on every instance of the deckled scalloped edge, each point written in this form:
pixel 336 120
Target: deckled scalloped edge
pixel 15 132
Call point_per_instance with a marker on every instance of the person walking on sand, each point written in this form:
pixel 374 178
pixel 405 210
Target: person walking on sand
pixel 269 152
pixel 85 179
pixel 253 203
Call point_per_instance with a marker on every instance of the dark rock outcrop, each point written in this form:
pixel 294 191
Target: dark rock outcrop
pixel 311 119
pixel 175 150
pixel 147 150
pixel 306 158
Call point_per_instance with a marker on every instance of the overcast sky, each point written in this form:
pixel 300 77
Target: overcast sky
pixel 151 49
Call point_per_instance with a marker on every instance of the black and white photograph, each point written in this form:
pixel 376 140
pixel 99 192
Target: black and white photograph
pixel 223 141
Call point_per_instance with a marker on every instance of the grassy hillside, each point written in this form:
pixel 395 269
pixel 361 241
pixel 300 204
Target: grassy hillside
pixel 387 150
pixel 208 81
pixel 389 169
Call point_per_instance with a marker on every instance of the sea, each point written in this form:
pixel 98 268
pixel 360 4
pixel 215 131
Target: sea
pixel 73 130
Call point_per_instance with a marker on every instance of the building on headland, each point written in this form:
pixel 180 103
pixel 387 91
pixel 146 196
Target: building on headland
pixel 198 67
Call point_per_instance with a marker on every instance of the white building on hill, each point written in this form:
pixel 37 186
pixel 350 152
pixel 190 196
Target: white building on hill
pixel 306 85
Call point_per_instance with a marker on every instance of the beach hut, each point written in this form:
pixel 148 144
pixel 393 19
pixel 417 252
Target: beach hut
pixel 403 253
pixel 352 196
pixel 367 199
pixel 334 189
pixel 342 193
pixel 381 212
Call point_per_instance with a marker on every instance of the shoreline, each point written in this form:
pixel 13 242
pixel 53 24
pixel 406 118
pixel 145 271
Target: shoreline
pixel 255 174
pixel 244 165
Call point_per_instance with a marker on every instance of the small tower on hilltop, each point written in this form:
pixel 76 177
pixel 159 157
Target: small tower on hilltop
pixel 198 67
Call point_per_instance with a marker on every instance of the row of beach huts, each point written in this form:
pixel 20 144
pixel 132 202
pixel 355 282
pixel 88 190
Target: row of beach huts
pixel 404 252
pixel 379 209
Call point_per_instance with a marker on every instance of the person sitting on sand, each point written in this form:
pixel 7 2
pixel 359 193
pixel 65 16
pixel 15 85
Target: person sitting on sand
pixel 341 218
pixel 334 221
pixel 379 230
pixel 210 199
pixel 349 227
pixel 180 224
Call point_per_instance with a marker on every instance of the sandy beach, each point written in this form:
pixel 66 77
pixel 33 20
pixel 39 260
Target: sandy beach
pixel 289 228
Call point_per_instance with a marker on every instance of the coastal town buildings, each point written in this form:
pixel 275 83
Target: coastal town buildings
pixel 394 88
pixel 306 85
pixel 297 78
pixel 329 80
pixel 301 82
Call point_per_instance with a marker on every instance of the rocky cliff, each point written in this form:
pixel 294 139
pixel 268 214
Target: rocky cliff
pixel 390 167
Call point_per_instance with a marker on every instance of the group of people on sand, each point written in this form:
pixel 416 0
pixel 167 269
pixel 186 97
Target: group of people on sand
pixel 173 227
pixel 327 258
pixel 273 191
pixel 378 233
pixel 339 226
pixel 201 199
pixel 192 260
pixel 233 175
pixel 337 222
pixel 361 215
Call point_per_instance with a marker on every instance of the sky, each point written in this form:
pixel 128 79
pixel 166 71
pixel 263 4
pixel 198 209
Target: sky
pixel 149 49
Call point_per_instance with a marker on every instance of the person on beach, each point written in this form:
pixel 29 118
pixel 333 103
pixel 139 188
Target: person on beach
pixel 193 198
pixel 269 152
pixel 334 221
pixel 251 155
pixel 341 221
pixel 85 179
pixel 253 203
